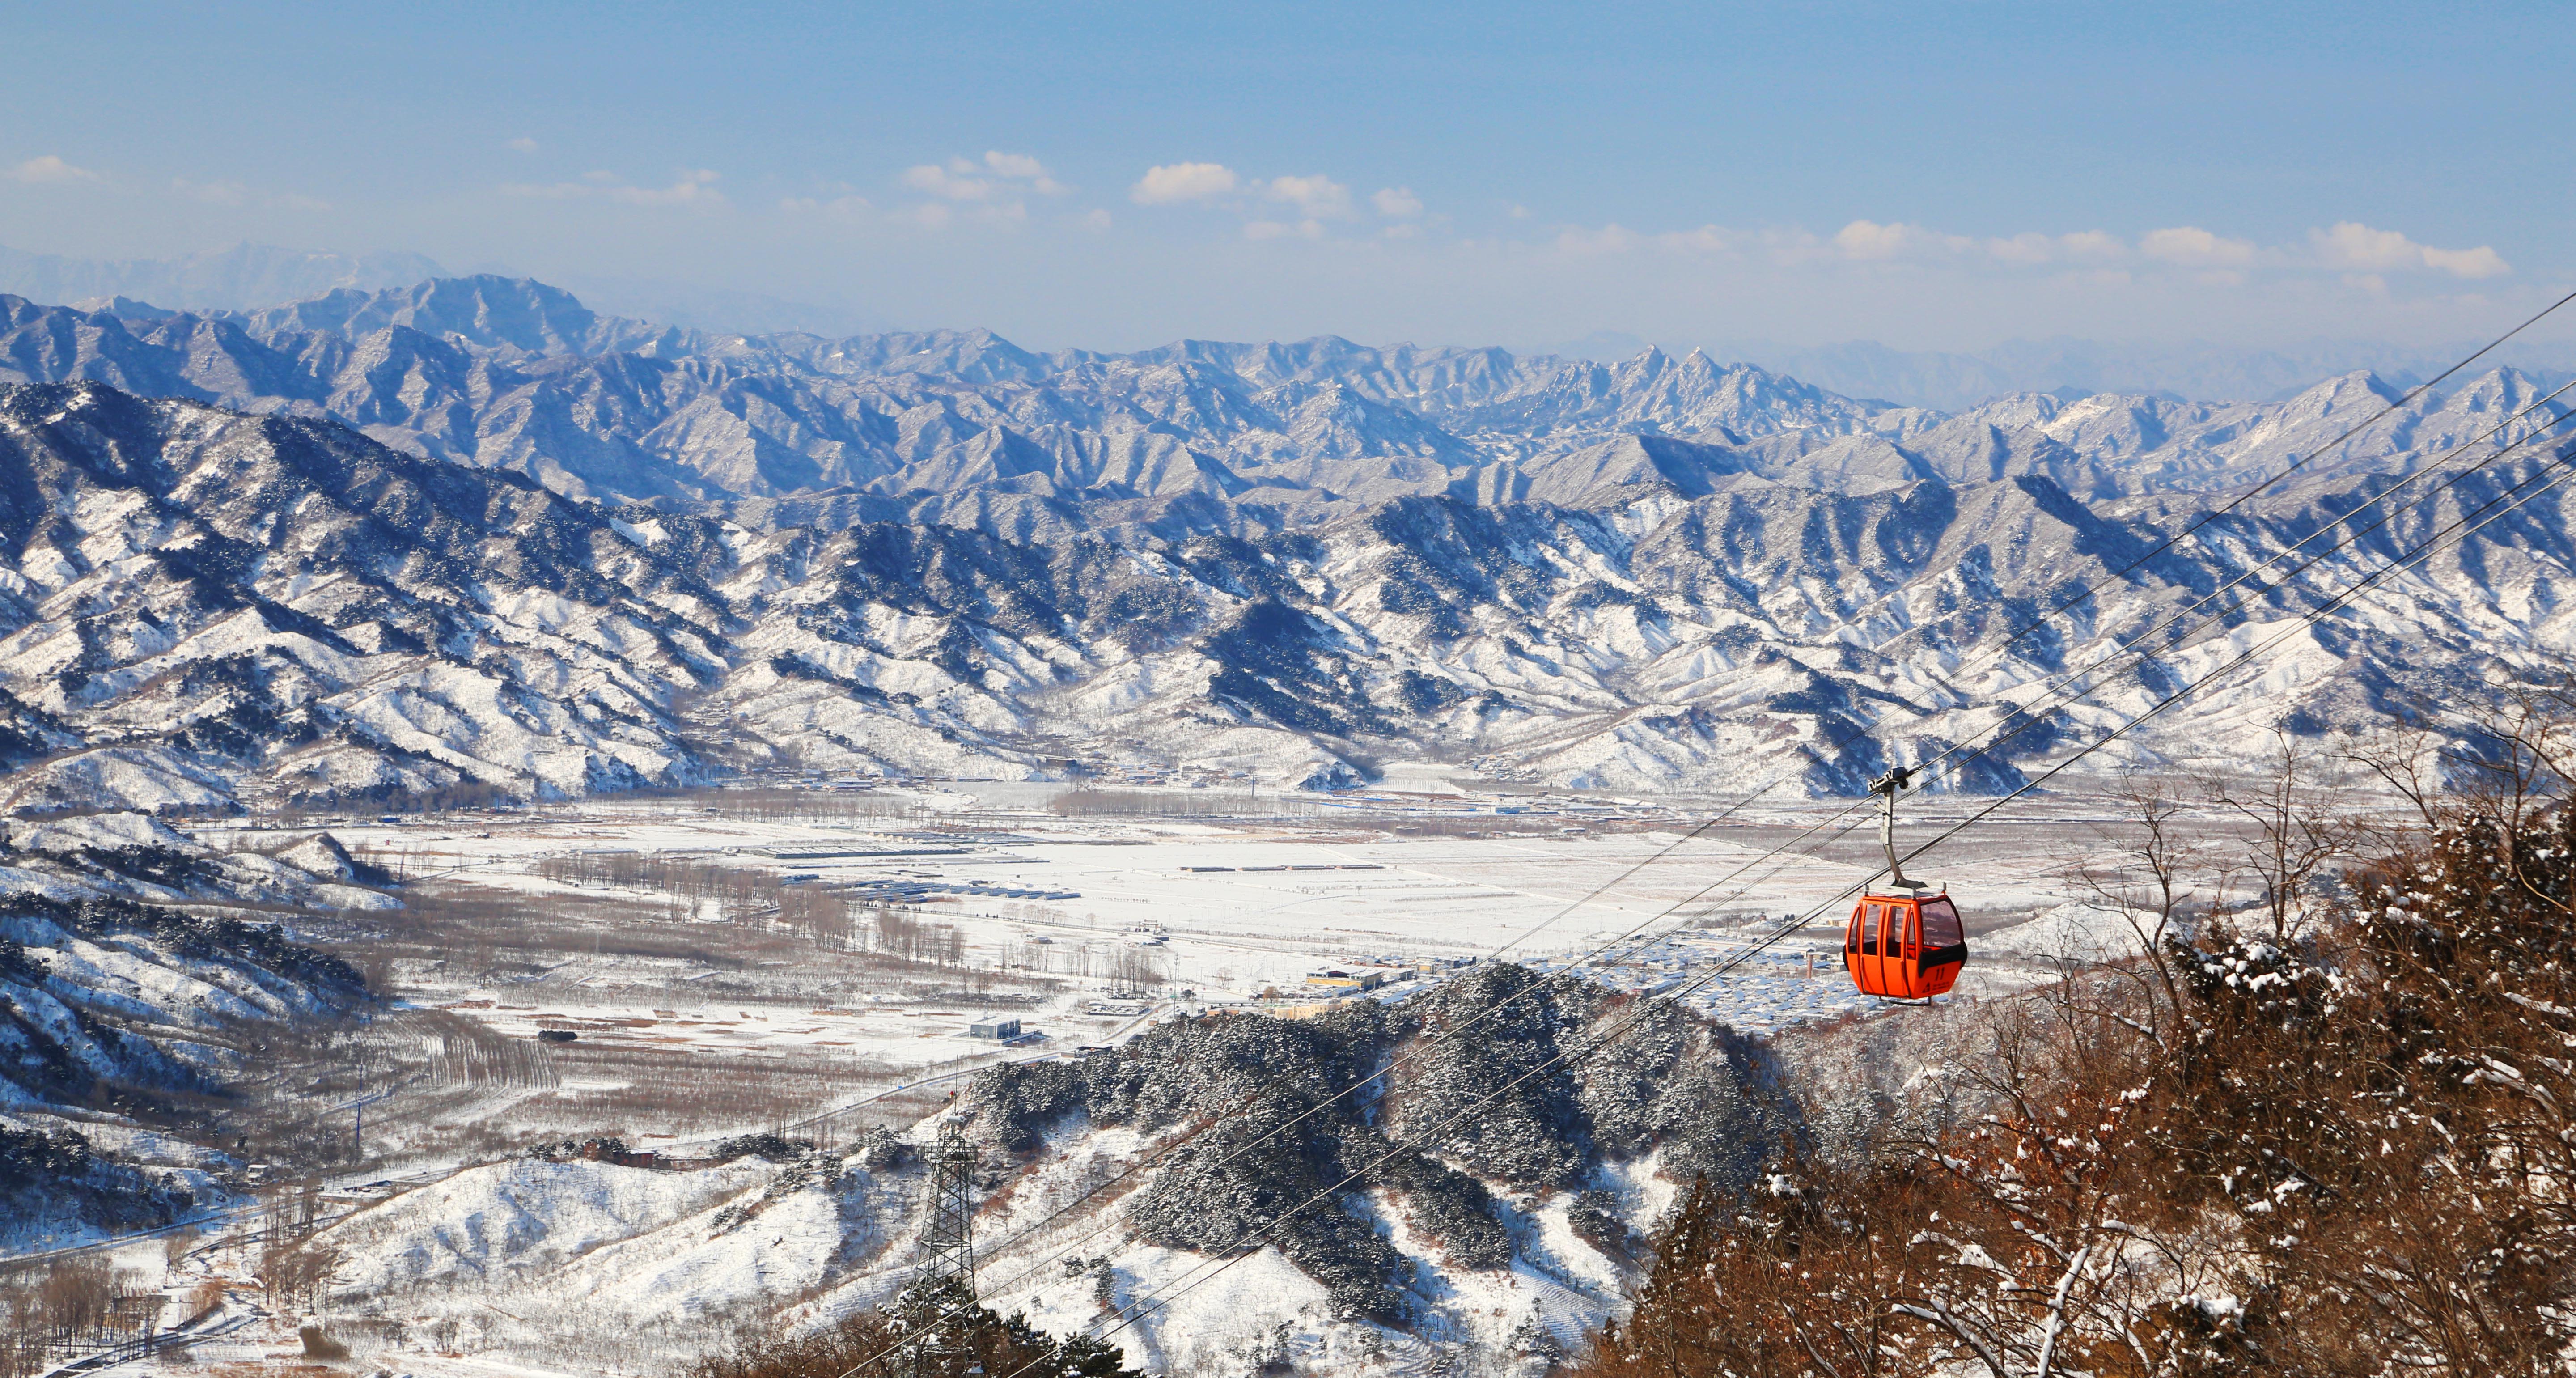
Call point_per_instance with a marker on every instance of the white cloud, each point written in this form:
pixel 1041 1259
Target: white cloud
pixel 2480 262
pixel 1319 197
pixel 1870 241
pixel 521 144
pixel 1867 239
pixel 2353 245
pixel 693 188
pixel 2356 247
pixel 947 182
pixel 993 190
pixel 50 168
pixel 1020 167
pixel 1174 183
pixel 998 175
pixel 1397 203
pixel 2193 247
pixel 1095 220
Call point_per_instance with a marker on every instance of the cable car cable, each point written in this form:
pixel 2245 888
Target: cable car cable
pixel 1630 1021
pixel 2064 683
pixel 2242 498
pixel 1767 942
pixel 1995 648
pixel 2059 683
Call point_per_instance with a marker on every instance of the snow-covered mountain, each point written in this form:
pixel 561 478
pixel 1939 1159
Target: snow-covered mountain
pixel 966 429
pixel 1498 1204
pixel 202 607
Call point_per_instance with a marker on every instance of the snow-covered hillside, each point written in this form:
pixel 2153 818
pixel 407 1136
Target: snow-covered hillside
pixel 1512 1228
pixel 125 1002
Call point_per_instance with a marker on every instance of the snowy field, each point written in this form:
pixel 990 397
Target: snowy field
pixel 1083 927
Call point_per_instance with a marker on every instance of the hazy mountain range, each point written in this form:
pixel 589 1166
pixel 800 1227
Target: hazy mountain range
pixel 241 277
pixel 251 277
pixel 965 429
pixel 1955 380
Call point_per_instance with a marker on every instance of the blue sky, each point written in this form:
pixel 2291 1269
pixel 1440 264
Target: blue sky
pixel 1931 176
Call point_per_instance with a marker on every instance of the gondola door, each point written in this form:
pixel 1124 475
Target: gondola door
pixel 1898 959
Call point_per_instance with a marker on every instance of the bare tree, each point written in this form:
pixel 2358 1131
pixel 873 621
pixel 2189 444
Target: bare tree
pixel 2300 830
pixel 2158 874
pixel 298 1276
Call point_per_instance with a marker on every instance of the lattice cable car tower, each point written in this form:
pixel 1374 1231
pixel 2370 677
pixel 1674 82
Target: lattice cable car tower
pixel 944 1279
pixel 948 1237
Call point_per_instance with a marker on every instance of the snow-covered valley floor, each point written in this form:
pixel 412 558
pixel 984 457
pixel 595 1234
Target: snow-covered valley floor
pixel 1147 916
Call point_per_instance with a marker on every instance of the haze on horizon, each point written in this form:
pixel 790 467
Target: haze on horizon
pixel 1932 177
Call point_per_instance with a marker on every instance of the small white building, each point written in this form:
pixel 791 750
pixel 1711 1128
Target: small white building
pixel 999 1030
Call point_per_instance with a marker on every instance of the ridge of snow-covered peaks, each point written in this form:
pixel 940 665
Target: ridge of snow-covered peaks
pixel 1655 393
pixel 198 606
pixel 520 315
pixel 510 373
pixel 966 428
pixel 2142 443
pixel 1261 365
pixel 968 356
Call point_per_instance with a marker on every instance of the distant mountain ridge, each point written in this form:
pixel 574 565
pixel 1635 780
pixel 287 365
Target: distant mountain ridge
pixel 1953 380
pixel 256 277
pixel 966 429
pixel 245 276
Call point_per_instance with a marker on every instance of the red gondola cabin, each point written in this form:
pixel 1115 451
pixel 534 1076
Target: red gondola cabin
pixel 1905 947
